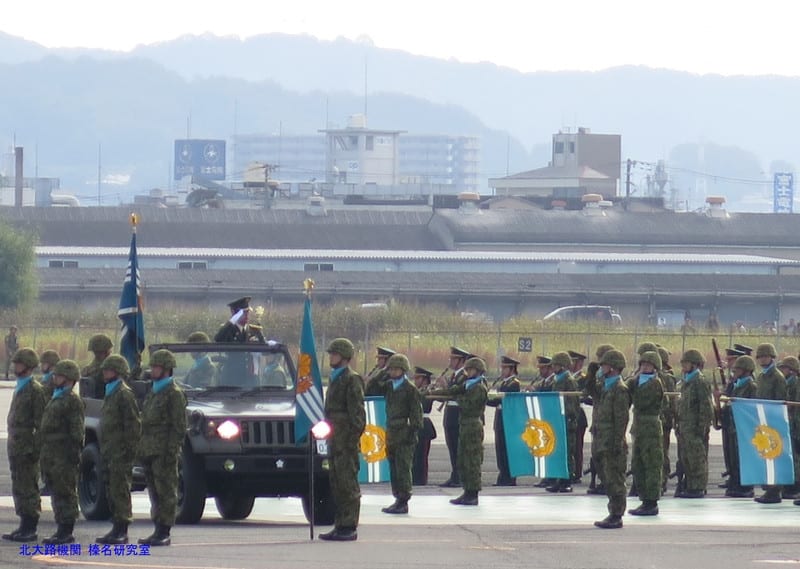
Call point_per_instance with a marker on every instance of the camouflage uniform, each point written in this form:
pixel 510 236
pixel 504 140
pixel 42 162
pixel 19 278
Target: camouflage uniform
pixel 509 384
pixel 770 384
pixel 121 428
pixel 163 430
pixel 61 437
pixel 565 382
pixel 745 390
pixel 344 410
pixel 611 416
pixel 669 413
pixel 647 456
pixel 793 394
pixel 203 372
pixel 695 413
pixel 24 421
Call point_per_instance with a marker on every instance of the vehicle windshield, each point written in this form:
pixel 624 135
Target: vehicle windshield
pixel 233 371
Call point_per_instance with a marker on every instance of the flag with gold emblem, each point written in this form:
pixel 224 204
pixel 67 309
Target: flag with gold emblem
pixel 765 445
pixel 308 392
pixel 535 429
pixel 373 465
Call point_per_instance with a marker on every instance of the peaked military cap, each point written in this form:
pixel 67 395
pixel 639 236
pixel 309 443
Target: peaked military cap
pixel 459 353
pixel 746 350
pixel 506 361
pixel 576 355
pixel 543 360
pixel 732 353
pixel 240 303
pixel 385 351
pixel 422 371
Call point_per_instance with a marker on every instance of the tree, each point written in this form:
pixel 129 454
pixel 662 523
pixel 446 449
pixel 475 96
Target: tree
pixel 18 278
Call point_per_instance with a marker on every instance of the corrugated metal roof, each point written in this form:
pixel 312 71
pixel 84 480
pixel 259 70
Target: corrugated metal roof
pixel 404 255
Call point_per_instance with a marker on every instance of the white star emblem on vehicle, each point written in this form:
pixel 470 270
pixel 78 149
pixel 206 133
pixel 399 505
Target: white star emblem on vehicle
pixel 279 463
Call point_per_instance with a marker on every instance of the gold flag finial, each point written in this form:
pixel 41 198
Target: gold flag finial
pixel 308 286
pixel 134 220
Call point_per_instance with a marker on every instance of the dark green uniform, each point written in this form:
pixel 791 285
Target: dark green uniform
pixel 647 456
pixel 121 428
pixel 669 413
pixel 591 394
pixel 743 388
pixel 344 410
pixel 403 422
pixel 565 382
pixel 510 384
pixel 203 372
pixel 695 413
pixel 47 385
pixel 229 332
pixel 24 421
pixel 771 384
pixel 611 421
pixel 163 431
pixel 62 441
pixel 793 394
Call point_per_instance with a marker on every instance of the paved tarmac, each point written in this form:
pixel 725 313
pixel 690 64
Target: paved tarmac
pixel 512 527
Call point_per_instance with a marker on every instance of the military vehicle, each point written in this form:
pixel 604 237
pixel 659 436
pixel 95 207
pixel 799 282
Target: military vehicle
pixel 240 442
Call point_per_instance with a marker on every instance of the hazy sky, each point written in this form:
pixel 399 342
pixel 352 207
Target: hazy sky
pixel 704 36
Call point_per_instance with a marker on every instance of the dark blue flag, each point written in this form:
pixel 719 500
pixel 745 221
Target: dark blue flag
pixel 130 309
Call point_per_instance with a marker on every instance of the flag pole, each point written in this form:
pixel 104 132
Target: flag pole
pixel 134 220
pixel 308 286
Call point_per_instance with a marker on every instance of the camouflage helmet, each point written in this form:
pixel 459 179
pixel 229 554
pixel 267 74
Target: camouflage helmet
pixel 663 353
pixel 26 357
pixel 163 358
pixel 476 364
pixel 198 338
pixel 614 358
pixel 646 347
pixel 745 363
pixel 561 359
pixel 764 350
pixel 68 369
pixel 602 349
pixel 693 357
pixel 399 360
pixel 651 357
pixel 49 357
pixel 100 343
pixel 343 347
pixel 116 363
pixel 791 362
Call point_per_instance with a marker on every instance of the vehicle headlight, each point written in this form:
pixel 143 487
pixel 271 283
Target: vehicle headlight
pixel 228 430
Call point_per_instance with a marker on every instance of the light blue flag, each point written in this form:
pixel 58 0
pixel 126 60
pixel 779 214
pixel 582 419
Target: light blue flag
pixel 536 434
pixel 765 446
pixel 373 466
pixel 308 391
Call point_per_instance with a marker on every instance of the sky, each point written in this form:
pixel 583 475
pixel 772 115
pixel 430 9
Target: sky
pixel 733 37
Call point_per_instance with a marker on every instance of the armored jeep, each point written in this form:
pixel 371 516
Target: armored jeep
pixel 240 442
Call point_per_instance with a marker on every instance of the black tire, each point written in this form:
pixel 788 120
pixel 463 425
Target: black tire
pixel 92 485
pixel 191 488
pixel 232 506
pixel 325 507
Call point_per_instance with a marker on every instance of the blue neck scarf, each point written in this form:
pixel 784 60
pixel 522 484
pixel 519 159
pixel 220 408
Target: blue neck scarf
pixel 609 382
pixel 160 384
pixel 645 377
pixel 470 383
pixel 21 383
pixel 791 379
pixel 396 383
pixel 767 368
pixel 742 381
pixel 561 376
pixel 336 372
pixel 599 373
pixel 59 392
pixel 687 377
pixel 111 386
pixel 46 377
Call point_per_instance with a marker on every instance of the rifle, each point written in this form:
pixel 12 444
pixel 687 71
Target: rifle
pixel 441 375
pixel 717 405
pixel 593 471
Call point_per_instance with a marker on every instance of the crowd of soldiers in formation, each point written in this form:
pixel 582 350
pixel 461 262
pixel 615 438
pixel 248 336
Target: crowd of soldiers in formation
pixel 662 399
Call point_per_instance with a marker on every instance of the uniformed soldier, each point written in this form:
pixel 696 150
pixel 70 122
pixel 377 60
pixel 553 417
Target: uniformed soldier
pixel 11 345
pixel 24 421
pixel 471 395
pixel 508 383
pixel 419 472
pixel 121 428
pixel 642 348
pixel 403 422
pixel 62 441
pixel 163 430
pixel 695 414
pixel 379 371
pixel 453 375
pixel 669 410
pixel 543 379
pixel 344 410
pixel 591 394
pixel 746 350
pixel 238 329
pixel 579 375
pixel 203 372
pixel 770 384
pixel 47 362
pixel 743 386
pixel 100 346
pixel 612 410
pixel 563 381
pixel 726 415
pixel 647 457
pixel 790 368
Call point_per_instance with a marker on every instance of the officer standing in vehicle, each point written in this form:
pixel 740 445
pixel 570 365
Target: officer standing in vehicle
pixel 121 428
pixel 24 421
pixel 344 410
pixel 454 375
pixel 403 422
pixel 62 441
pixel 419 472
pixel 47 362
pixel 771 385
pixel 238 328
pixel 695 415
pixel 163 431
pixel 509 383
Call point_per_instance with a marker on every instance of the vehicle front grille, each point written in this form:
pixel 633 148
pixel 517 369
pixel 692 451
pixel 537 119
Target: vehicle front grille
pixel 267 433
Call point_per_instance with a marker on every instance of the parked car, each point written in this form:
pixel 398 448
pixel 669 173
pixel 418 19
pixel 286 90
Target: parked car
pixel 586 312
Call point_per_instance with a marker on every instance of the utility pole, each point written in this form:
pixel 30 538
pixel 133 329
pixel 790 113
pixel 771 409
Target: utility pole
pixel 628 183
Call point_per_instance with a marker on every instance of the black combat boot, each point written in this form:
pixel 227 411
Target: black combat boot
pixel 63 535
pixel 739 492
pixel 159 537
pixel 469 499
pixel 117 536
pixel 646 508
pixel 791 492
pixel 610 522
pixel 771 496
pixel 26 530
pixel 691 494
pixel 597 490
pixel 400 506
pixel 340 534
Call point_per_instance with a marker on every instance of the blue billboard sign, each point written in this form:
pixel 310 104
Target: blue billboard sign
pixel 783 187
pixel 203 158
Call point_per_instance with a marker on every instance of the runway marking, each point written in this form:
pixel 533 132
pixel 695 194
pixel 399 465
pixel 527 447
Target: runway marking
pixel 778 561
